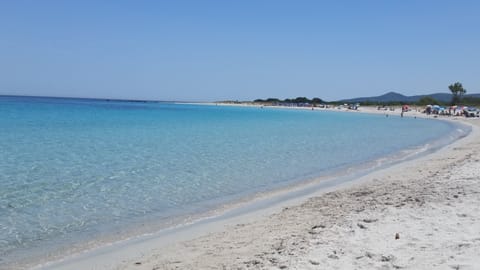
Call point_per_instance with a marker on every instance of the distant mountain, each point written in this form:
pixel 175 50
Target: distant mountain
pixel 388 97
pixel 396 97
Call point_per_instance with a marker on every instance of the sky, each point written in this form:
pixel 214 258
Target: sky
pixel 237 50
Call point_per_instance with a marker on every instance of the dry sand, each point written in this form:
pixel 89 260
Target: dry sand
pixel 431 204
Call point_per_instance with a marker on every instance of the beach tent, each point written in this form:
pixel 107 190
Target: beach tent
pixel 435 109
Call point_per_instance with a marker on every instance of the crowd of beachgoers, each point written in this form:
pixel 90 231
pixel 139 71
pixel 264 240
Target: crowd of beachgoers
pixel 466 111
pixel 455 110
pixel 452 110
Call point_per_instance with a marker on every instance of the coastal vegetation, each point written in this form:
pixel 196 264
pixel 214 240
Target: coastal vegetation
pixel 423 101
pixel 427 100
pixel 458 96
pixel 297 100
pixel 457 92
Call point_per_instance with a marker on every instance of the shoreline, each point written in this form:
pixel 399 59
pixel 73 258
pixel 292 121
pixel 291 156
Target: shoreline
pixel 120 252
pixel 370 109
pixel 356 226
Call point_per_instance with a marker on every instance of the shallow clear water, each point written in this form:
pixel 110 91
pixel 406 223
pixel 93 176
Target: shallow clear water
pixel 73 169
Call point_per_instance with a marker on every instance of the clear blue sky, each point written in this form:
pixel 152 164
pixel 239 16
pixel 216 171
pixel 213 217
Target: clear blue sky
pixel 216 50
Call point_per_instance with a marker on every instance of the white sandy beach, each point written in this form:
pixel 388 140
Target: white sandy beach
pixel 431 203
pixel 239 135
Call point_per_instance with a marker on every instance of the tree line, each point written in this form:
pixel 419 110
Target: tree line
pixel 457 90
pixel 298 100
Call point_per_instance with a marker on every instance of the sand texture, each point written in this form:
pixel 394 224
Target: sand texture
pixel 422 214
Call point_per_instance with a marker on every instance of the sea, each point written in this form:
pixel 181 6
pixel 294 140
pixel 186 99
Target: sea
pixel 73 171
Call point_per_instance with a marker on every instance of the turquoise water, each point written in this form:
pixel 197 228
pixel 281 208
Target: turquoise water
pixel 72 170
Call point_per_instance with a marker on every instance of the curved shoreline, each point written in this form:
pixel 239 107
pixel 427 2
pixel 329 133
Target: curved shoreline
pixel 110 256
pixel 93 243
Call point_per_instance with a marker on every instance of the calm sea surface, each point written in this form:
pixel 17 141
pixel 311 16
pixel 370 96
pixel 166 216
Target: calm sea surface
pixel 74 170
